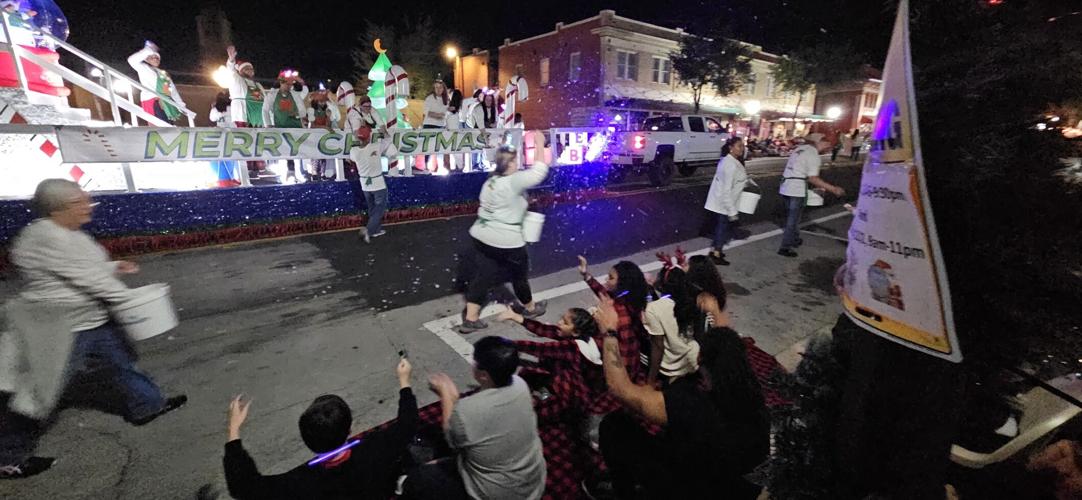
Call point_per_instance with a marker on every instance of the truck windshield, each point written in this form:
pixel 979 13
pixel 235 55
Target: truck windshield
pixel 663 124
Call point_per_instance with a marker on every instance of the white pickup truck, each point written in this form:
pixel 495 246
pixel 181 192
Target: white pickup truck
pixel 665 144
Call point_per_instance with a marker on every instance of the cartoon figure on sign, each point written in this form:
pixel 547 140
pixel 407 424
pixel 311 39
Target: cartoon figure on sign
pixel 884 288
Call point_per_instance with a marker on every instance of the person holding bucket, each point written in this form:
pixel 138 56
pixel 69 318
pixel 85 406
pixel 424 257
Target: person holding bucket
pixel 730 178
pixel 801 170
pixel 60 334
pixel 501 232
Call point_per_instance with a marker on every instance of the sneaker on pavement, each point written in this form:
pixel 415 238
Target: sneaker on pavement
pixel 787 252
pixel 718 258
pixel 365 236
pixel 472 326
pixel 539 309
pixel 380 233
pixel 31 467
pixel 170 405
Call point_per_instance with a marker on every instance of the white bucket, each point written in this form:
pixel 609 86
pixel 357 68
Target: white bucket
pixel 149 314
pixel 747 202
pixel 531 227
pixel 814 199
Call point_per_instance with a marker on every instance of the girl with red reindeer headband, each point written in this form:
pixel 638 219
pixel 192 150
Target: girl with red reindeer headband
pixel 668 319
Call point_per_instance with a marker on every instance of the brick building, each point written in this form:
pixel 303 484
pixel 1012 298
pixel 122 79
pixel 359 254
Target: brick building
pixel 611 69
pixel 857 100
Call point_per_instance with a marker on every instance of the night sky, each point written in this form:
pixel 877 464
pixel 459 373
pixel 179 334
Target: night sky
pixel 318 40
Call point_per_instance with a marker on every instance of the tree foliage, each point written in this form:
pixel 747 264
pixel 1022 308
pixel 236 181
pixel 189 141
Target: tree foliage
pixel 808 67
pixel 717 63
pixel 411 45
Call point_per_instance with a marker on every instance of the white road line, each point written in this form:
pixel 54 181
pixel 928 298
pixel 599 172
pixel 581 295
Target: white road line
pixel 828 236
pixel 444 328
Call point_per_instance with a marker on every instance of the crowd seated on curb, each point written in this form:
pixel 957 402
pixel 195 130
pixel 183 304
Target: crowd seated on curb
pixel 648 394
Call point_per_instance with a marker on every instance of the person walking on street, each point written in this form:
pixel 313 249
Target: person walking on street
pixel 847 144
pixel 837 146
pixel 730 178
pixel 59 334
pixel 370 170
pixel 857 143
pixel 801 170
pixel 499 247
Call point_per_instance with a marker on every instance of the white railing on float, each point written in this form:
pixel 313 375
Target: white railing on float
pixel 109 75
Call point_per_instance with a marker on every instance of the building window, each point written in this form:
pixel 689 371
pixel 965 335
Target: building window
pixel 770 86
pixel 545 71
pixel 749 85
pixel 627 65
pixel 575 71
pixel 871 100
pixel 662 70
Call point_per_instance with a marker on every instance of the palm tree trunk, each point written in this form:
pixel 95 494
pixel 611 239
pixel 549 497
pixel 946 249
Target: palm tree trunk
pixel 799 99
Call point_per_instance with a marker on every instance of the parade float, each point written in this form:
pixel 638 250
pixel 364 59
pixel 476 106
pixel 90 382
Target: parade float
pixel 168 200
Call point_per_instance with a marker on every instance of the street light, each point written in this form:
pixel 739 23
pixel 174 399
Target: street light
pixel 834 112
pixel 452 54
pixel 222 77
pixel 752 107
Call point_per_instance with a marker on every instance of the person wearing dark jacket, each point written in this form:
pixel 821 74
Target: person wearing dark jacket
pixel 345 467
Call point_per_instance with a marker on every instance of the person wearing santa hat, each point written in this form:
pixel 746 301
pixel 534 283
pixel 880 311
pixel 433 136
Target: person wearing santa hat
pixel 145 62
pixel 283 107
pixel 245 94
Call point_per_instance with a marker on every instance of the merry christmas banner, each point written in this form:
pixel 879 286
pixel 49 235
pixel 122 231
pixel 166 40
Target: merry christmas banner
pixel 143 144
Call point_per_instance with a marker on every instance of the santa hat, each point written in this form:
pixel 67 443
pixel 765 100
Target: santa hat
pixel 243 64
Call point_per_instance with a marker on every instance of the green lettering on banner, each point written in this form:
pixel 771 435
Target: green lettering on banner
pixel 482 140
pixel 156 143
pixel 207 144
pixel 232 146
pixel 427 138
pixel 295 142
pixel 465 141
pixel 397 137
pixel 267 142
pixel 409 143
pixel 449 143
pixel 327 149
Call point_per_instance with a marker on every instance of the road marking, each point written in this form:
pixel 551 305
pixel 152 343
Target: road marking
pixel 444 328
pixel 822 235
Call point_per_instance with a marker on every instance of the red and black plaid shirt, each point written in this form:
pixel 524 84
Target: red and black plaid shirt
pixel 629 333
pixel 577 382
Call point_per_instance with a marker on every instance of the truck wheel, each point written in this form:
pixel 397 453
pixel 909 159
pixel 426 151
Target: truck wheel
pixel 617 175
pixel 661 171
pixel 687 170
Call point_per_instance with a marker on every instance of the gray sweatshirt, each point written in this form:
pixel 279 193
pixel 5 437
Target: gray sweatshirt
pixel 503 206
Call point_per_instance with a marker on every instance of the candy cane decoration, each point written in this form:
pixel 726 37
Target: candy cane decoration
pixel 516 91
pixel 396 91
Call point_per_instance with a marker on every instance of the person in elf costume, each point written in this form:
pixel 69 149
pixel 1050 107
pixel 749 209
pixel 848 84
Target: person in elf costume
pixel 283 107
pixel 245 94
pixel 322 113
pixel 146 62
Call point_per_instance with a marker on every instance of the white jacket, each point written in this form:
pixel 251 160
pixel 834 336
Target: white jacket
pixel 356 119
pixel 238 92
pixel 332 109
pixel 435 112
pixel 729 181
pixel 272 95
pixel 504 205
pixel 148 76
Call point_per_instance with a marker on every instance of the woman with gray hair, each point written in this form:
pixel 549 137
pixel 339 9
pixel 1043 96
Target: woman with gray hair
pixel 59 330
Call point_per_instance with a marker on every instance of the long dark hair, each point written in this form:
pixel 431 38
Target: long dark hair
pixel 703 277
pixel 673 283
pixel 489 112
pixel 631 286
pixel 221 102
pixel 456 99
pixel 734 389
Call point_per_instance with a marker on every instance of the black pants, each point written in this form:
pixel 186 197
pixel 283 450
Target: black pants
pixel 438 480
pixel 493 266
pixel 633 456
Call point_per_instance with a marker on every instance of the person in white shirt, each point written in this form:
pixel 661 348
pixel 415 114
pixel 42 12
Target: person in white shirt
pixel 801 170
pixel 65 272
pixel 730 178
pixel 245 94
pixel 436 110
pixel 500 249
pixel 283 107
pixel 370 170
pixel 145 62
